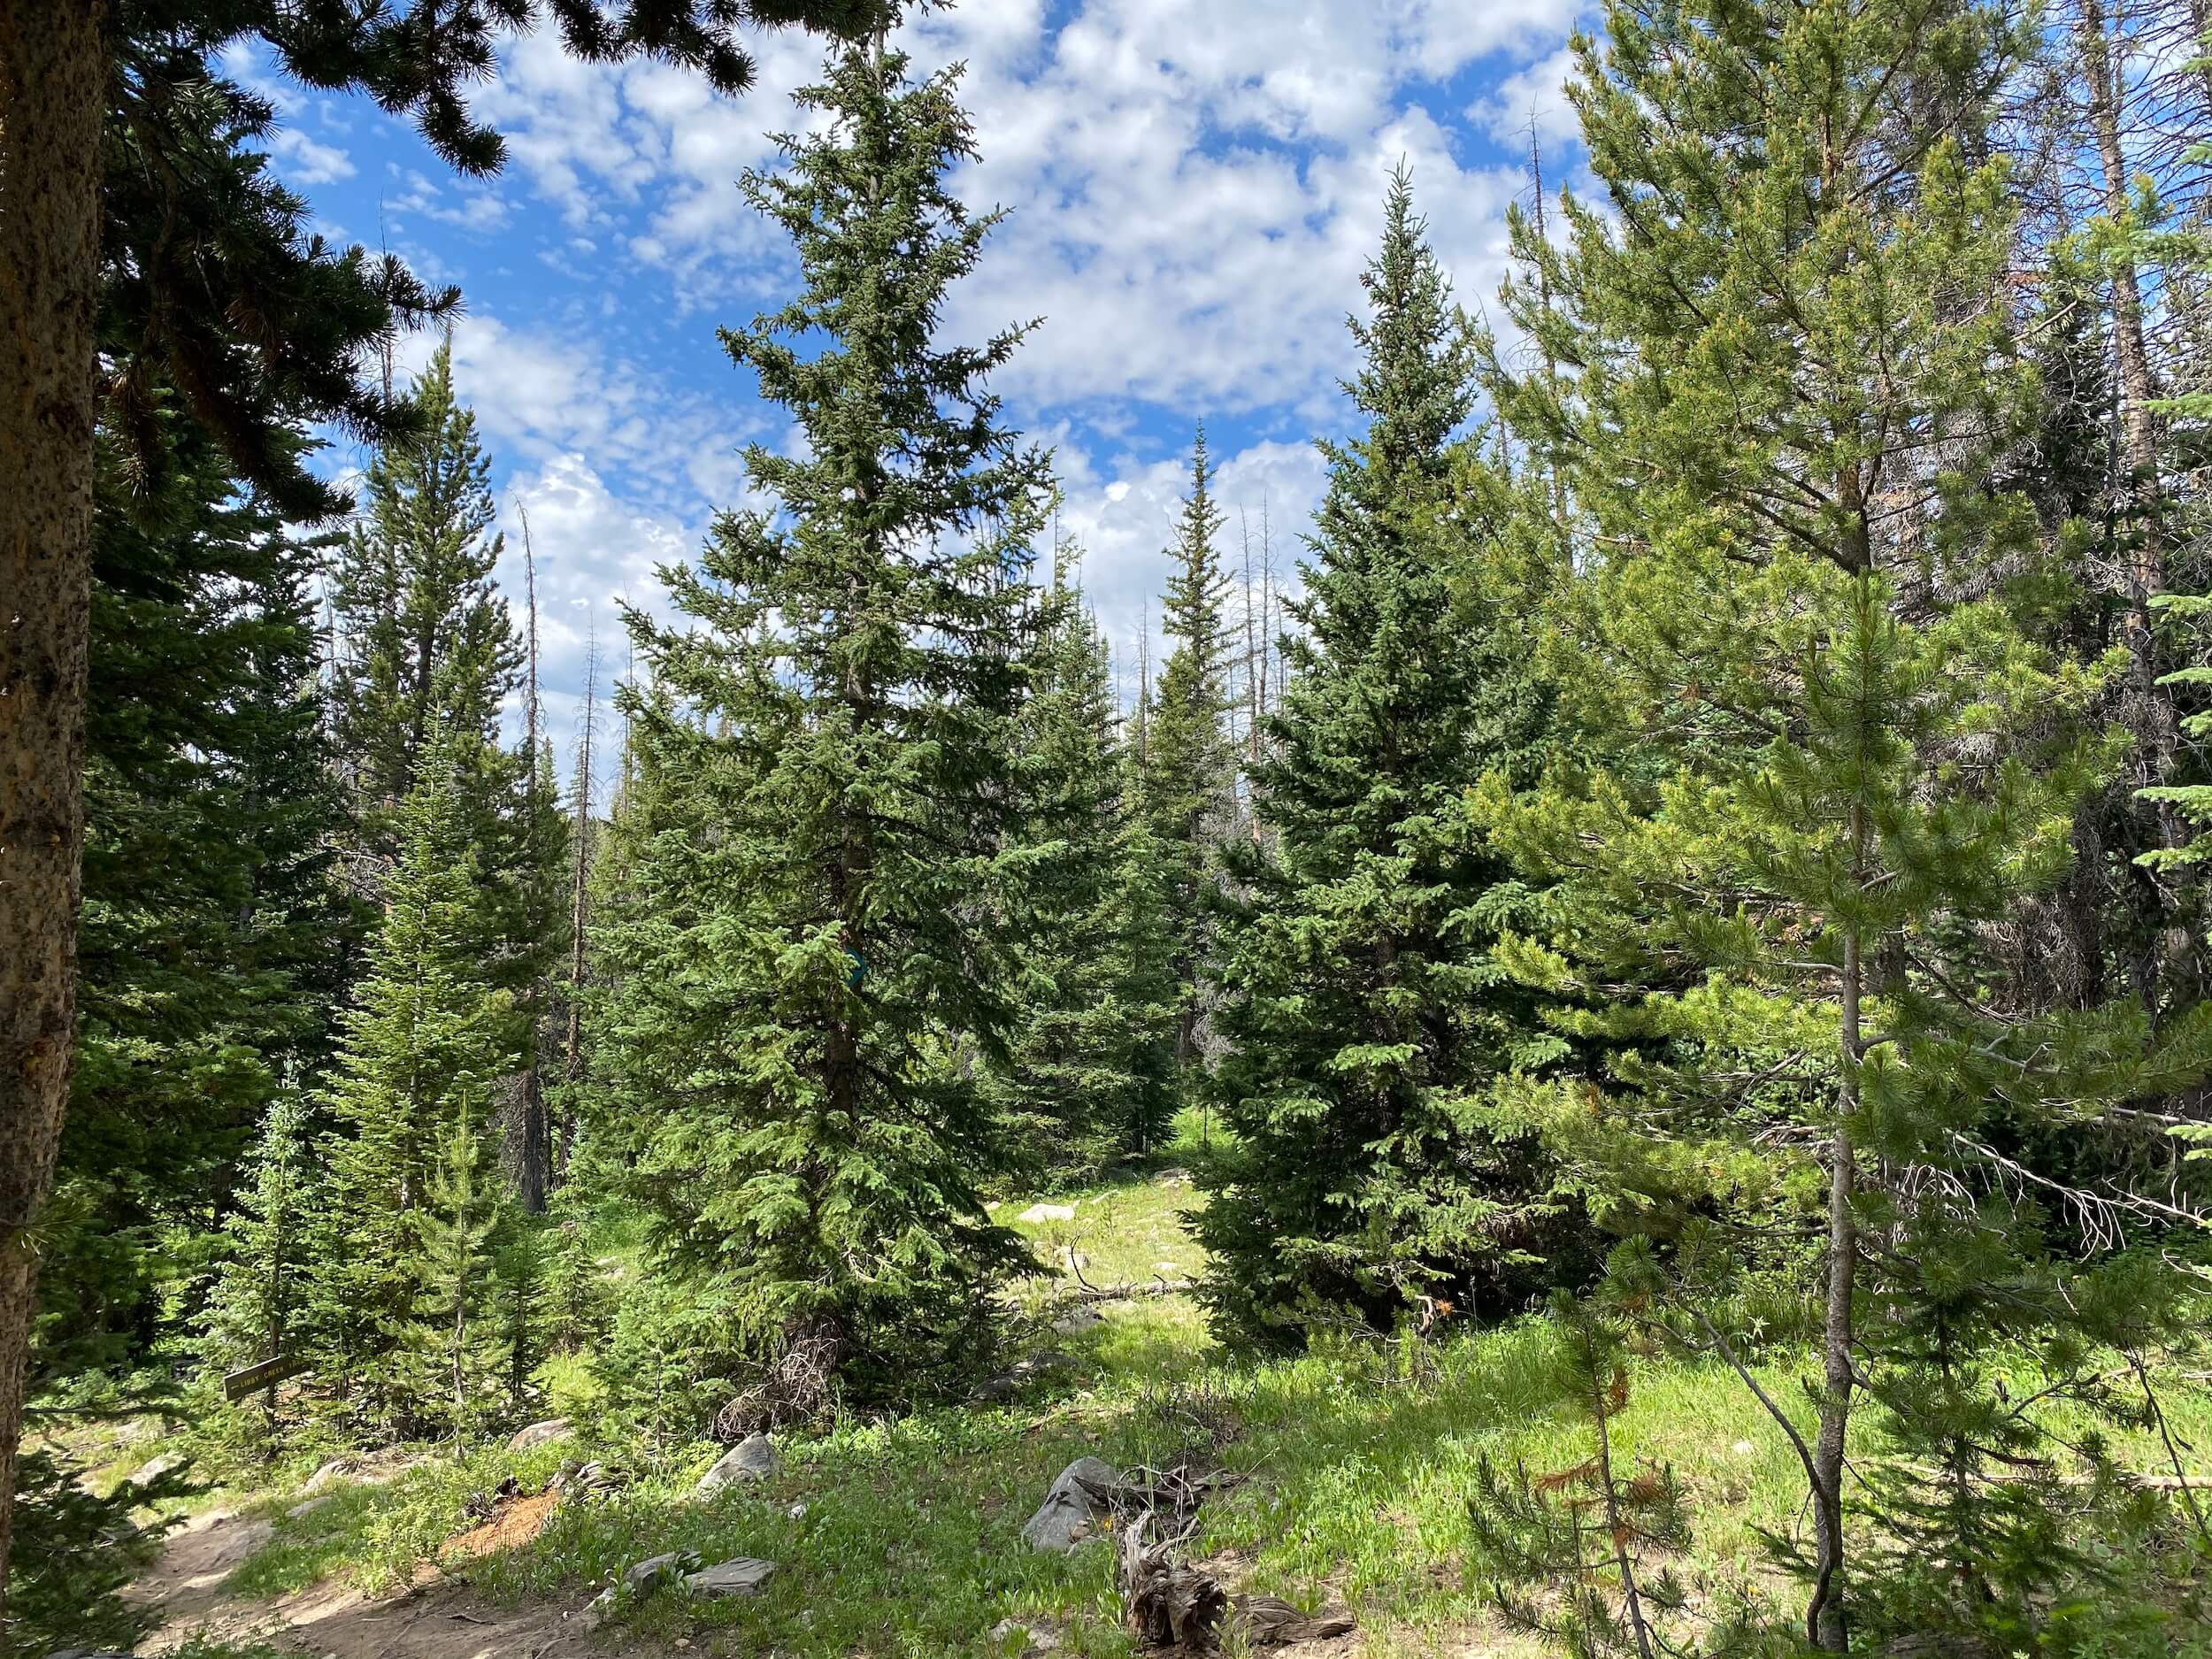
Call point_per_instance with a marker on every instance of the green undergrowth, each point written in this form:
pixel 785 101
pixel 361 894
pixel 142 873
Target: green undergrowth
pixel 902 1538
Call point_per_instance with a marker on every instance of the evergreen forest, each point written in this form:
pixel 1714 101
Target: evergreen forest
pixel 1603 1049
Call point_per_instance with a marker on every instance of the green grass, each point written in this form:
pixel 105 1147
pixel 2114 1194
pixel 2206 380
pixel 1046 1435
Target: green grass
pixel 900 1540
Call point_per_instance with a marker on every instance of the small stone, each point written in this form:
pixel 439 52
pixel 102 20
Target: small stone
pixel 1049 1212
pixel 328 1472
pixel 540 1434
pixel 741 1576
pixel 797 1511
pixel 1033 1638
pixel 752 1459
pixel 1070 1512
pixel 648 1575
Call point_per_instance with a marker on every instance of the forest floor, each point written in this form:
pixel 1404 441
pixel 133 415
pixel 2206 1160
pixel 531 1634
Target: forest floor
pixel 901 1539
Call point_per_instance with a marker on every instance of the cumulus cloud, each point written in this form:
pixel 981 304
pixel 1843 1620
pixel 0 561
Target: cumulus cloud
pixel 1193 188
pixel 304 161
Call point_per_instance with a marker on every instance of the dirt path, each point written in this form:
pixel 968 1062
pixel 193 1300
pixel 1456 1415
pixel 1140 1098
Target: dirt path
pixel 434 1620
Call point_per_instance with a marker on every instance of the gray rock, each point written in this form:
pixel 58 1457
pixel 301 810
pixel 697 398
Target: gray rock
pixel 328 1472
pixel 752 1459
pixel 741 1576
pixel 540 1434
pixel 155 1468
pixel 648 1575
pixel 1033 1638
pixel 1008 1384
pixel 1070 1514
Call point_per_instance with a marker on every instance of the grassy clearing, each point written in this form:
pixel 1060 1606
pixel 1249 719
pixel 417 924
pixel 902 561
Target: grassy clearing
pixel 902 1538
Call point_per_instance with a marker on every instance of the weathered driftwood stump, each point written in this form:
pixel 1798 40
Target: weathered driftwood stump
pixel 1169 1603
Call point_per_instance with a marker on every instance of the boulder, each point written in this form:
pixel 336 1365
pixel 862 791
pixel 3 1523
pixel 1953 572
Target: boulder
pixel 1049 1212
pixel 540 1434
pixel 741 1576
pixel 1072 1512
pixel 752 1459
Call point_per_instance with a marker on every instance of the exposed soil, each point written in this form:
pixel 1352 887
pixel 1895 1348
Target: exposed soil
pixel 431 1620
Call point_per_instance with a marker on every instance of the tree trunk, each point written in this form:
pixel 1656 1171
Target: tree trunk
pixel 1825 1623
pixel 53 69
pixel 2151 712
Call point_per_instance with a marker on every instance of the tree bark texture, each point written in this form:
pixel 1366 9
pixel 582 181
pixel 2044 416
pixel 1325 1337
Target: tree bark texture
pixel 53 65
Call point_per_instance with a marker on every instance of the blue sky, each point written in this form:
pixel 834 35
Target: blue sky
pixel 1193 189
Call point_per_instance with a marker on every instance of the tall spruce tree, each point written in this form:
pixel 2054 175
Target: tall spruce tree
pixel 1370 1167
pixel 428 653
pixel 150 251
pixel 1189 764
pixel 430 1036
pixel 1784 407
pixel 808 956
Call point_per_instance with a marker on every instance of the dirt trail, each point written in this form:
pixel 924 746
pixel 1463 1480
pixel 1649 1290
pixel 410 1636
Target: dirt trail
pixel 434 1620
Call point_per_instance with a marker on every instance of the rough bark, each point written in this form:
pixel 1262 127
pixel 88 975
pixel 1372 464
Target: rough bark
pixel 53 65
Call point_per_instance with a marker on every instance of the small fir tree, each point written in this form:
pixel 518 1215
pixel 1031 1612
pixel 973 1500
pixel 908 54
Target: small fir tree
pixel 466 1345
pixel 807 967
pixel 1188 763
pixel 430 1031
pixel 257 1293
pixel 1081 1085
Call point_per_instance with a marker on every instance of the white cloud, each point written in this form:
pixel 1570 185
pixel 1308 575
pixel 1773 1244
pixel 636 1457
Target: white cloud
pixel 1194 188
pixel 1123 518
pixel 1533 98
pixel 304 162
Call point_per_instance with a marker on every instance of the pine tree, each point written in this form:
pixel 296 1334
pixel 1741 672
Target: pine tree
pixel 1083 1083
pixel 1189 763
pixel 429 652
pixel 429 1037
pixel 806 962
pixel 1597 1533
pixel 213 929
pixel 424 641
pixel 259 1291
pixel 1857 760
pixel 1372 1169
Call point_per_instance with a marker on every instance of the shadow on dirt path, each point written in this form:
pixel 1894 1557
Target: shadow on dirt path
pixel 432 1620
